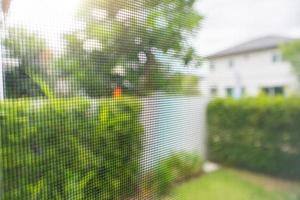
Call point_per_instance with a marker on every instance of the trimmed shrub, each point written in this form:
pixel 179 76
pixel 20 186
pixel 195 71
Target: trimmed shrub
pixel 260 134
pixel 70 149
pixel 175 168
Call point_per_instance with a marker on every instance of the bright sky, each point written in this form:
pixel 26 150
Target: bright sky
pixel 50 17
pixel 227 22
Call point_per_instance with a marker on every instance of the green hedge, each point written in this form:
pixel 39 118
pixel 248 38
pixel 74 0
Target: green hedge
pixel 70 149
pixel 177 167
pixel 261 134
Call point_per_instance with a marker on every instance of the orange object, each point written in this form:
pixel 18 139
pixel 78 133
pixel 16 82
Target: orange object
pixel 118 91
pixel 5 6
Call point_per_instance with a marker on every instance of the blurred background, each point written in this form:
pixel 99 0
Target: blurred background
pixel 148 99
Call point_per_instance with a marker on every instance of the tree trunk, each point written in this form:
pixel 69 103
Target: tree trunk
pixel 148 83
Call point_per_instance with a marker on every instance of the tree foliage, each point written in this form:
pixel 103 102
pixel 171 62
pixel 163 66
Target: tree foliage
pixel 71 149
pixel 25 70
pixel 291 53
pixel 133 35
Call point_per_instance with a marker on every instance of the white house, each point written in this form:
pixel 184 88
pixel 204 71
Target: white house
pixel 250 68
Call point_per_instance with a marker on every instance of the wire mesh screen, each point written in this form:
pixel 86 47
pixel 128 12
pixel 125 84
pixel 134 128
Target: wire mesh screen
pixel 99 99
pixel 111 100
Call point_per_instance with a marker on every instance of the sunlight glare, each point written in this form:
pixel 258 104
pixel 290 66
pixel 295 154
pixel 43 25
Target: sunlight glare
pixel 49 18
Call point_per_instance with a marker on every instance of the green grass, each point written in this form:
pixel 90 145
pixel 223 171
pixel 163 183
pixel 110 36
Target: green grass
pixel 236 185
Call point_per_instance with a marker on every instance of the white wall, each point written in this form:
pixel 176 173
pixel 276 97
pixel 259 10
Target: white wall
pixel 256 70
pixel 173 124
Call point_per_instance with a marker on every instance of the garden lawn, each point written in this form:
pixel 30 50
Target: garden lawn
pixel 228 184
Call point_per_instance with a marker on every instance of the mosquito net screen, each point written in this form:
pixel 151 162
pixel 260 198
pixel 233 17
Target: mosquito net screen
pixel 114 100
pixel 99 99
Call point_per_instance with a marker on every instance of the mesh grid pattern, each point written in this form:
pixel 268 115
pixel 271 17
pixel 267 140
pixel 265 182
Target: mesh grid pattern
pixel 105 107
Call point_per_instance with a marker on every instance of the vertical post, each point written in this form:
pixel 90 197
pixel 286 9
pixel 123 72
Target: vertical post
pixel 5 7
pixel 1 76
pixel 1 59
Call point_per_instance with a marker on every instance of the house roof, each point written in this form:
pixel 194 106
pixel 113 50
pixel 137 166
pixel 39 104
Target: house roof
pixel 263 43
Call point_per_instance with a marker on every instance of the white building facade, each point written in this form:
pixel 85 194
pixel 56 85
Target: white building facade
pixel 250 69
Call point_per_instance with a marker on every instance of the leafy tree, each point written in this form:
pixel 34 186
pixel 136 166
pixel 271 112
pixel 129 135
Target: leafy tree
pixel 122 41
pixel 180 84
pixel 291 53
pixel 184 84
pixel 25 70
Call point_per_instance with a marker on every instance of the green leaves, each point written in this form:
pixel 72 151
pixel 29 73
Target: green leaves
pixel 256 133
pixel 70 149
pixel 126 29
pixel 174 168
pixel 291 53
pixel 45 88
pixel 29 55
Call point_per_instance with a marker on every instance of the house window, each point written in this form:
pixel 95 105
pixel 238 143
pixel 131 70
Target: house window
pixel 229 92
pixel 276 58
pixel 274 91
pixel 213 91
